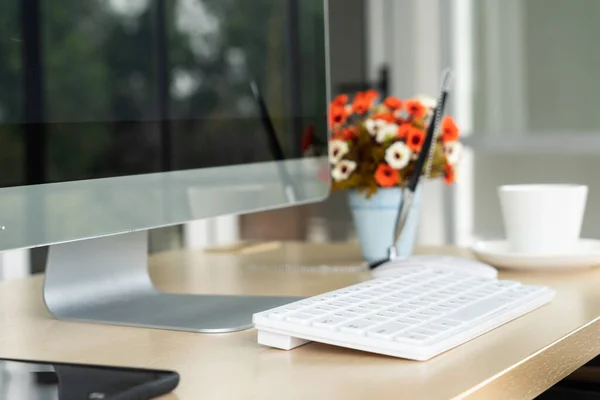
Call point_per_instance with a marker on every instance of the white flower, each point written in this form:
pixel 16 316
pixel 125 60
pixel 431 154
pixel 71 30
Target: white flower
pixel 374 126
pixel 427 101
pixel 453 151
pixel 389 131
pixel 430 104
pixel 398 155
pixel 337 150
pixel 343 170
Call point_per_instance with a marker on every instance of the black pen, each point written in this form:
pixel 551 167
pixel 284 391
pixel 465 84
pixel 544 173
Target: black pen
pixel 427 152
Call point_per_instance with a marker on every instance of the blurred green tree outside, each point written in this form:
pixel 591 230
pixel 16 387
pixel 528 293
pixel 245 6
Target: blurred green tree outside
pixel 100 65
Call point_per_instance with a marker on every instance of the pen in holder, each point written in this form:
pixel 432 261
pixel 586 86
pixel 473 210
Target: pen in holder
pixel 422 167
pixel 375 222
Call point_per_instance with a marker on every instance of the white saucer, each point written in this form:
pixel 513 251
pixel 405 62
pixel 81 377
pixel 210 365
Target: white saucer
pixel 498 254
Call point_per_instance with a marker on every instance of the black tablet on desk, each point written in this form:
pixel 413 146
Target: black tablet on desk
pixel 32 380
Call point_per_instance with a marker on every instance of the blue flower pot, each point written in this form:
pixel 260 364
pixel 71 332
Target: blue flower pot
pixel 375 220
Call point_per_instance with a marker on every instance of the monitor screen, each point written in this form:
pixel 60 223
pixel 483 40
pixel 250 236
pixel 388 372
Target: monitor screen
pixel 106 88
pixel 187 109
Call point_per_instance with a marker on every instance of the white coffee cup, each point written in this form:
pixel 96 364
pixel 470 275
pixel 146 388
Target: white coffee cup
pixel 543 219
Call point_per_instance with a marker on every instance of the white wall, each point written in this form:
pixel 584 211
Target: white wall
pixel 14 264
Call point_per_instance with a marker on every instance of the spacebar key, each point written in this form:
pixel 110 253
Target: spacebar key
pixel 479 309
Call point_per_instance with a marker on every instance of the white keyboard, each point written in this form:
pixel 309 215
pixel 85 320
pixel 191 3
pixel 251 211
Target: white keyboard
pixel 417 315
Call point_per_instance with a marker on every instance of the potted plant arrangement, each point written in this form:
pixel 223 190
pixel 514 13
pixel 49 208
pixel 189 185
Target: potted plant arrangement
pixel 372 151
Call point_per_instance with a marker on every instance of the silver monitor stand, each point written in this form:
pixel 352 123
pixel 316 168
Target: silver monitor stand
pixel 106 280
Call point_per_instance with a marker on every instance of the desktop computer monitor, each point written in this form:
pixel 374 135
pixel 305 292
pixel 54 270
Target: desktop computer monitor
pixel 120 116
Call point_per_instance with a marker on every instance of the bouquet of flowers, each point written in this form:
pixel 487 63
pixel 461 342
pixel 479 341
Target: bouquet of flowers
pixel 375 143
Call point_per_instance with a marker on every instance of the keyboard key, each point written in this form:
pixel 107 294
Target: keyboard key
pixel 447 293
pixel 369 307
pixel 278 314
pixel 387 314
pixel 340 303
pixel 358 327
pixel 425 314
pixel 410 337
pixel 358 297
pixel 329 323
pixel 380 303
pixel 358 310
pixel 478 310
pixel 506 284
pixel 436 297
pixel 387 331
pixel 439 309
pixel 417 304
pixel 408 320
pixel 345 314
pixel 300 318
pixel 448 323
pixel 419 317
pixel 375 318
pixel 436 327
pixel 325 307
pixel 424 332
pixel 402 309
pixel 314 311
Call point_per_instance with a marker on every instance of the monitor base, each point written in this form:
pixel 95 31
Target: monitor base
pixel 106 280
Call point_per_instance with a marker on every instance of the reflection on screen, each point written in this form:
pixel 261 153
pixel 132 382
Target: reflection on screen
pixel 24 380
pixel 27 381
pixel 119 87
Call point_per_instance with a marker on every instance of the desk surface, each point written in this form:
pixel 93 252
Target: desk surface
pixel 516 361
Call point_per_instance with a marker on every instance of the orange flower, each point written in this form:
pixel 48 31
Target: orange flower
pixel 350 133
pixel 386 176
pixel 393 103
pixel 416 109
pixel 361 103
pixel 404 130
pixel 387 117
pixel 415 139
pixel 449 176
pixel 337 115
pixel 345 134
pixel 340 100
pixel 449 130
pixel 371 94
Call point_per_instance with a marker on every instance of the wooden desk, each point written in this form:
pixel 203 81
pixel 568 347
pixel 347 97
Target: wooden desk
pixel 516 361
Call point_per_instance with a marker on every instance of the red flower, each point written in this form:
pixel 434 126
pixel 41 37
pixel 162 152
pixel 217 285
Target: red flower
pixel 393 103
pixel 386 176
pixel 361 103
pixel 337 115
pixel 371 94
pixel 387 117
pixel 449 130
pixel 416 109
pixel 349 133
pixel 340 100
pixel 308 138
pixel 404 130
pixel 449 175
pixel 415 139
pixel 345 134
